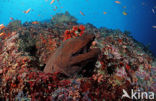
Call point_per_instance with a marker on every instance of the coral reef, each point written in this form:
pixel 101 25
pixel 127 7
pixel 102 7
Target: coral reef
pixel 123 63
pixel 14 25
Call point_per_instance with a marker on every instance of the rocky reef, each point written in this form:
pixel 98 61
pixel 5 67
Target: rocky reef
pixel 123 63
pixel 63 18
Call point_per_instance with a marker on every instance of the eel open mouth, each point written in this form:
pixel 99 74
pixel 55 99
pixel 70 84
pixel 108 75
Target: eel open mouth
pixel 74 56
pixel 85 48
pixel 86 57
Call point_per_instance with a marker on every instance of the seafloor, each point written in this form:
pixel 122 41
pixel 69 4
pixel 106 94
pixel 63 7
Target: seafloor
pixel 123 63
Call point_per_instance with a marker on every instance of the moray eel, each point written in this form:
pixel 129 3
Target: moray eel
pixel 74 57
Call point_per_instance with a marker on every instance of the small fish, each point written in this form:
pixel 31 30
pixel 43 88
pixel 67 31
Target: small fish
pixel 154 26
pixel 118 2
pixel 124 13
pixel 55 8
pixel 124 7
pixel 1 26
pixel 82 13
pixel 153 11
pixel 35 22
pixel 11 18
pixel 52 1
pixel 27 11
pixel 104 12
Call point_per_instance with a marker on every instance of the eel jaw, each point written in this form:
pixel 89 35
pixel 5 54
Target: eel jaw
pixel 84 58
pixel 86 47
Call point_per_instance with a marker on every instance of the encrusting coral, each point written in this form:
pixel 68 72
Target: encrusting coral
pixel 24 51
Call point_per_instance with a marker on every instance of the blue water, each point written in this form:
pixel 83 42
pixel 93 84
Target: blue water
pixel 139 20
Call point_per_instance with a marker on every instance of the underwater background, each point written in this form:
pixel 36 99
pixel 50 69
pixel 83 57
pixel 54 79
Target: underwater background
pixel 77 50
pixel 135 16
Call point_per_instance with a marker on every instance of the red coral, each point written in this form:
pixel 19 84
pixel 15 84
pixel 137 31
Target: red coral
pixel 13 85
pixel 64 83
pixel 74 32
pixel 119 40
pixel 75 28
pixel 81 33
pixel 127 67
pixel 67 35
pixel 85 86
pixel 82 27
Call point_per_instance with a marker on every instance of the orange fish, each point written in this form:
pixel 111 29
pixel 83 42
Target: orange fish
pixel 82 13
pixel 27 11
pixel 104 12
pixel 35 22
pixel 2 26
pixel 118 2
pixel 2 34
pixel 52 2
pixel 124 13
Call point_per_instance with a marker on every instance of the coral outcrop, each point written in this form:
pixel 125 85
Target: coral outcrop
pixel 63 18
